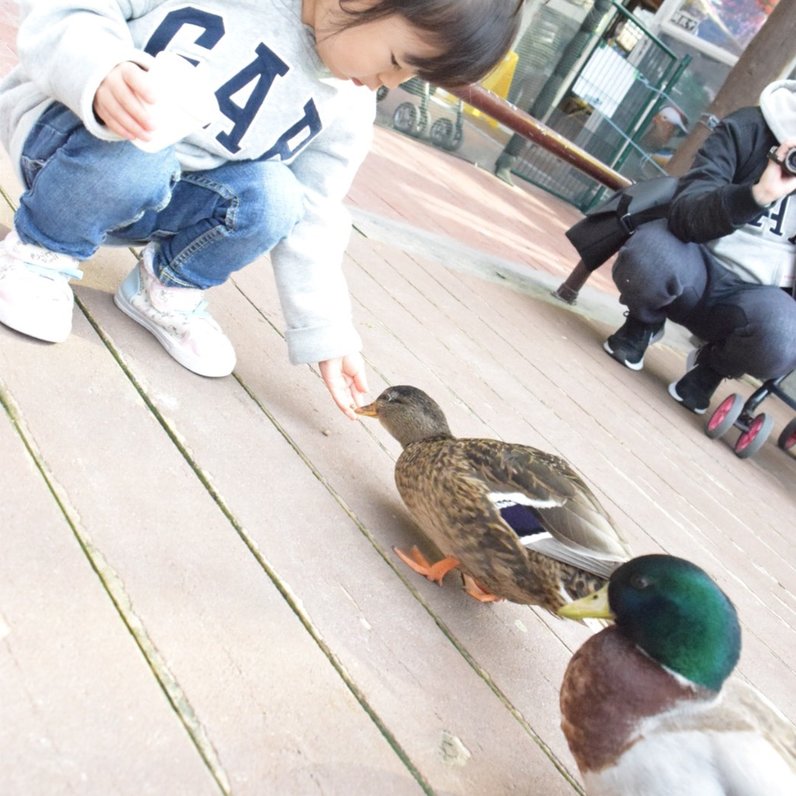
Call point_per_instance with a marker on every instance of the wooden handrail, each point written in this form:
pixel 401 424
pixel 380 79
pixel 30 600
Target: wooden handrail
pixel 539 133
pixel 520 122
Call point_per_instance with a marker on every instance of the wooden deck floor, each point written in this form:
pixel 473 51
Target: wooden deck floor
pixel 197 588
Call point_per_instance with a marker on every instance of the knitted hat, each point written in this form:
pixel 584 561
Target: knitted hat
pixel 778 105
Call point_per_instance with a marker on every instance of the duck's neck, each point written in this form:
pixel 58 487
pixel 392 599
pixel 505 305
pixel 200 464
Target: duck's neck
pixel 601 708
pixel 420 432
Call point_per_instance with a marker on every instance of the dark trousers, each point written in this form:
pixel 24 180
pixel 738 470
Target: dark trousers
pixel 752 327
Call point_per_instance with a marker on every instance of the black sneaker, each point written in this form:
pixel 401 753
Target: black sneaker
pixel 629 343
pixel 696 388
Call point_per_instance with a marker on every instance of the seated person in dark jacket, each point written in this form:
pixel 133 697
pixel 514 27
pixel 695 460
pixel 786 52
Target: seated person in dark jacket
pixel 723 263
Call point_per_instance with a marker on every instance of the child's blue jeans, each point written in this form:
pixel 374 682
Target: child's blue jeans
pixel 83 192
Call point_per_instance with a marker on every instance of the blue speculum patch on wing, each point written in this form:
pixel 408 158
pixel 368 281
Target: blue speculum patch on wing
pixel 523 520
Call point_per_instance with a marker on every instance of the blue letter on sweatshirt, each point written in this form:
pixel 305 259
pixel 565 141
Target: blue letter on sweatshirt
pixel 212 23
pixel 263 69
pixel 287 144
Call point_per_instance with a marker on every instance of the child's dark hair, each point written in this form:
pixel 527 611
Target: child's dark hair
pixel 473 35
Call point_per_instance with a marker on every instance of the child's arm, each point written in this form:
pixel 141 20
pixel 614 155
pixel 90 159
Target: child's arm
pixel 308 264
pixel 69 49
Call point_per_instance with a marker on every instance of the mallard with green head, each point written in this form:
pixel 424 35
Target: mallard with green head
pixel 520 524
pixel 648 705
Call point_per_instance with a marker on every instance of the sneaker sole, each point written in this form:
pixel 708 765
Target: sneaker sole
pixel 23 325
pixel 190 363
pixel 627 363
pixel 673 392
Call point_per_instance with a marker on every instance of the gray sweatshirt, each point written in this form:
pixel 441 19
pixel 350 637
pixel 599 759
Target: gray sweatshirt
pixel 277 102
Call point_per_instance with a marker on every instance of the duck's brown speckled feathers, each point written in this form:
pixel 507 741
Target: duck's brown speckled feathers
pixel 455 488
pixel 446 483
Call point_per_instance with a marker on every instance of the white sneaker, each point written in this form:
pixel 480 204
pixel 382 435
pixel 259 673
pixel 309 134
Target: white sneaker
pixel 178 318
pixel 35 297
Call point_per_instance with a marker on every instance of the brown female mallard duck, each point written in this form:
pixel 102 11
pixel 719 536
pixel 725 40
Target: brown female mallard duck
pixel 519 523
pixel 650 706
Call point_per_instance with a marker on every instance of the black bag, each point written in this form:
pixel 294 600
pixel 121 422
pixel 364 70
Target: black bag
pixel 607 227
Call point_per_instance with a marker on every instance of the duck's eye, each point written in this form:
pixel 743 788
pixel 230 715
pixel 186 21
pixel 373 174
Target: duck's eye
pixel 639 582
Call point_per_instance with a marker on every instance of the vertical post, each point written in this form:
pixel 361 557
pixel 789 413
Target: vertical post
pixel 542 104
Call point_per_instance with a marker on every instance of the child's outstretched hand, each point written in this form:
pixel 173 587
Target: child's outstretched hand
pixel 345 380
pixel 121 102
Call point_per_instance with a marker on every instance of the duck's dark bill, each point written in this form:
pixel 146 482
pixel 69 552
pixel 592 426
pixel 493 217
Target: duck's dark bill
pixel 369 410
pixel 593 606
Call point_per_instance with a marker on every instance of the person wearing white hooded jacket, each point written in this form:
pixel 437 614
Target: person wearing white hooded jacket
pixel 722 264
pixel 294 82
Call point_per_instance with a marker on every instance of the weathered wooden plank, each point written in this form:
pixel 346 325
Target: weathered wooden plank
pixel 256 685
pixel 706 513
pixel 81 710
pixel 257 689
pixel 455 730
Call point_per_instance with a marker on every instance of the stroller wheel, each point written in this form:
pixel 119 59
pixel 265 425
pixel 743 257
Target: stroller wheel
pixel 787 439
pixel 445 135
pixel 750 442
pixel 408 118
pixel 723 419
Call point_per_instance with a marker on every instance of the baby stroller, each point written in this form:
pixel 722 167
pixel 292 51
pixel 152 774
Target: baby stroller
pixel 755 429
pixel 413 119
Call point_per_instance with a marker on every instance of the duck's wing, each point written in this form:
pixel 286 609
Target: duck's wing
pixel 526 484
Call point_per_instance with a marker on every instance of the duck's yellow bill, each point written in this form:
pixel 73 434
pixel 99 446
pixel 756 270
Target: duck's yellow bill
pixel 592 606
pixel 369 410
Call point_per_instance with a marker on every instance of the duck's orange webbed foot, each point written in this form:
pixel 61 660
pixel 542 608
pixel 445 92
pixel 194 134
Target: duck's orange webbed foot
pixel 420 564
pixel 477 592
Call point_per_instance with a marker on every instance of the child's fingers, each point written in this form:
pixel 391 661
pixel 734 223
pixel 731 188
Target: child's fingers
pixel 360 386
pixel 340 386
pixel 117 118
pixel 139 82
pixel 341 395
pixel 119 104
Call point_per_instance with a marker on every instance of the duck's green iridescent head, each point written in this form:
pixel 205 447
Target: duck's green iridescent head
pixel 678 615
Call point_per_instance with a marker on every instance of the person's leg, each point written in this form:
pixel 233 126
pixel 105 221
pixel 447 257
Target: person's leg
pixel 77 188
pixel 658 277
pixel 217 222
pixel 752 330
pixel 80 187
pixel 748 329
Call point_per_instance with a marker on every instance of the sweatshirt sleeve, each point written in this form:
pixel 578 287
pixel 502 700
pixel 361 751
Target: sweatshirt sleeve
pixel 308 264
pixel 714 198
pixel 68 48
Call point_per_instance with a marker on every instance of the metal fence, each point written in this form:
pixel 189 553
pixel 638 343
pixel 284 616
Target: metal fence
pixel 616 108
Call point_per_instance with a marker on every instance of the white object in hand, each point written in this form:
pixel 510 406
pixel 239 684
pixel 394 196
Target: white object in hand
pixel 183 105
